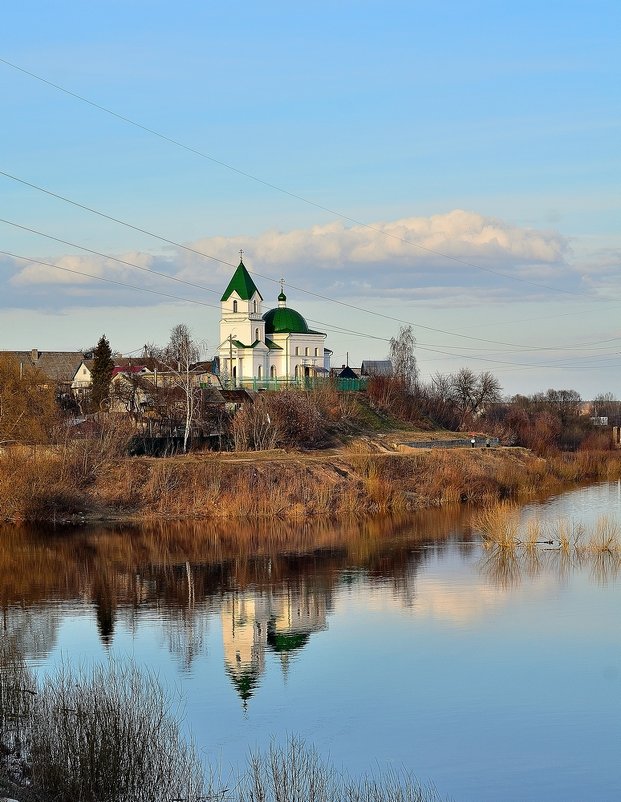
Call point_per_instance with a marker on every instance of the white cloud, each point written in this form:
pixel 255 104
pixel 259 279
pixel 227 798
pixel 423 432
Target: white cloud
pixel 356 261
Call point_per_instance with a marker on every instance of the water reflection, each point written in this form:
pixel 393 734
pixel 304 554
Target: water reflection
pixel 270 584
pixel 409 629
pixel 274 581
pixel 280 619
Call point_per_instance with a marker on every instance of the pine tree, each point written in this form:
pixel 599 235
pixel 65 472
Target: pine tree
pixel 103 366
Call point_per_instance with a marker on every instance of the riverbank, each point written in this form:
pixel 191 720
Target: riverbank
pixel 367 476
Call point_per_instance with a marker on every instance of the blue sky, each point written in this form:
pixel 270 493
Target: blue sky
pixel 484 131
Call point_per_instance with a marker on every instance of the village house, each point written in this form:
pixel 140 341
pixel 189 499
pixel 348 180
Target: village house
pixel 57 368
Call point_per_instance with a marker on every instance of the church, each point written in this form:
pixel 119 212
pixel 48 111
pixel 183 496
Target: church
pixel 261 349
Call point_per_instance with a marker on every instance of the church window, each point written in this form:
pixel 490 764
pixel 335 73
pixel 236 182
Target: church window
pixel 259 372
pixel 297 351
pixel 254 307
pixel 256 334
pixel 234 306
pixel 306 351
pixel 273 371
pixel 316 351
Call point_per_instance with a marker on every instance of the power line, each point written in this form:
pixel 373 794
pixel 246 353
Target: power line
pixel 213 306
pixel 331 327
pixel 254 272
pixel 106 280
pixel 275 187
pixel 107 256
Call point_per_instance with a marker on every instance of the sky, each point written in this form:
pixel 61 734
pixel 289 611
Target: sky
pixel 450 166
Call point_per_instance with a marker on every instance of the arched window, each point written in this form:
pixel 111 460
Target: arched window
pixel 306 351
pixel 259 372
pixel 297 371
pixel 234 306
pixel 256 334
pixel 316 351
pixel 297 351
pixel 273 371
pixel 254 307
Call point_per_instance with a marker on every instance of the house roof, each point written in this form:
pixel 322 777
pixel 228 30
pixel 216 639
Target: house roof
pixel 204 366
pixel 57 366
pixel 242 284
pixel 347 373
pixel 380 367
pixel 212 395
pixel 239 395
pixel 128 369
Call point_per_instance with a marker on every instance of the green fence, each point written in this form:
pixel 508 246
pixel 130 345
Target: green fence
pixel 306 383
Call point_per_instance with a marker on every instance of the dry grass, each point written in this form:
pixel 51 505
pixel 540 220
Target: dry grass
pixel 110 735
pixel 513 547
pixel 58 483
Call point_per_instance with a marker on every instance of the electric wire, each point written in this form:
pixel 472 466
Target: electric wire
pixel 330 326
pixel 270 185
pixel 106 280
pixel 253 272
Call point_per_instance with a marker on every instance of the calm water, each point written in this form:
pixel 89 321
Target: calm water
pixel 387 644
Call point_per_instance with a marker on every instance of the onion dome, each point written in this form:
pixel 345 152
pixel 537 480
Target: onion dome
pixel 285 321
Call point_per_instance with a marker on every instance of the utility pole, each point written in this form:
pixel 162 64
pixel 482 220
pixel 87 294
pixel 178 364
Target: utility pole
pixel 231 359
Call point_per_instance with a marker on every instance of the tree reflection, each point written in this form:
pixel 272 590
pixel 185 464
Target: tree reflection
pixel 188 571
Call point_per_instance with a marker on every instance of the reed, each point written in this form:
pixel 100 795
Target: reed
pixel 60 483
pixel 296 773
pixel 105 735
pixel 605 539
pixel 499 525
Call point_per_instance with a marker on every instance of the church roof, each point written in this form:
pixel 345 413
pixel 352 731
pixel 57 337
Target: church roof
pixel 283 320
pixel 242 284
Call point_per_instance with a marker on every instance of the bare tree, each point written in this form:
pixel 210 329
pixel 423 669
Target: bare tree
pixel 606 405
pixel 403 358
pixel 179 357
pixel 470 393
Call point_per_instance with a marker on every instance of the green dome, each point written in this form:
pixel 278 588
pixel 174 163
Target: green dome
pixel 283 320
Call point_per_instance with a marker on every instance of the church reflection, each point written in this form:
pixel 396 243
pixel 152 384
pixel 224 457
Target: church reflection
pixel 277 619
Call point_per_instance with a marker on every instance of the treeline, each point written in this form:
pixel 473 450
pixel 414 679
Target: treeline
pixel 32 412
pixel 545 422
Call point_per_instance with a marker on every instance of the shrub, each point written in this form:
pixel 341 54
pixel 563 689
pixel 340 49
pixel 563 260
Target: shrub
pixel 108 735
pixel 296 773
pixel 288 419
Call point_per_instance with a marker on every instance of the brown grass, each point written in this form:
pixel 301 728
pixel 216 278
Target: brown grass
pixel 66 481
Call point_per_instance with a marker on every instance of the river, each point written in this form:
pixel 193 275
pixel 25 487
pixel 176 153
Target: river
pixel 399 643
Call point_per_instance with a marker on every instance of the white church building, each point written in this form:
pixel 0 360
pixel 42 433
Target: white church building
pixel 257 348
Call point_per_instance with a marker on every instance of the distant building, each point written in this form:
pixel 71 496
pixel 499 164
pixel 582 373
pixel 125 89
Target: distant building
pixel 382 367
pixel 57 368
pixel 258 348
pixel 347 373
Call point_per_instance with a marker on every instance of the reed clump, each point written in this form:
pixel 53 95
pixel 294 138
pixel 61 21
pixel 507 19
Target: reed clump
pixel 105 735
pixel 499 525
pixel 513 546
pixel 295 772
pixel 110 735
